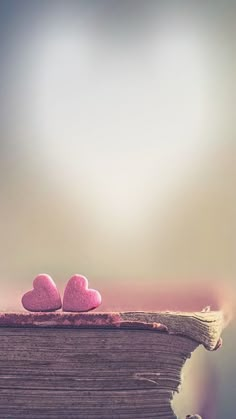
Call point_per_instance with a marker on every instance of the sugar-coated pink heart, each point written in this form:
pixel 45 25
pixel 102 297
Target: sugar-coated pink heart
pixel 78 297
pixel 43 297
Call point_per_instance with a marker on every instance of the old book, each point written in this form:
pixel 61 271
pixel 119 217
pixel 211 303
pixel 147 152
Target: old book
pixel 98 365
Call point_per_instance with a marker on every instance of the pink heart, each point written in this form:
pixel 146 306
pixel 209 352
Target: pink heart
pixel 78 297
pixel 44 296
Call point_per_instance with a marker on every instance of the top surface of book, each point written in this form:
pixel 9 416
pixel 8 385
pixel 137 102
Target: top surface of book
pixel 204 327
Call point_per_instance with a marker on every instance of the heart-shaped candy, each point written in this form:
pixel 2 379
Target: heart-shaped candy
pixel 78 297
pixel 43 297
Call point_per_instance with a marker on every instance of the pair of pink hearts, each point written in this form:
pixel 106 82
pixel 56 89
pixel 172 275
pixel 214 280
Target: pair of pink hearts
pixel 45 296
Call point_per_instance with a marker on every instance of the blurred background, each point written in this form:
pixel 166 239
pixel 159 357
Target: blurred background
pixel 117 158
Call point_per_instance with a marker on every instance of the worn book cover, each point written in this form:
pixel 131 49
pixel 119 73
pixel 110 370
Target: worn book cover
pixel 98 365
